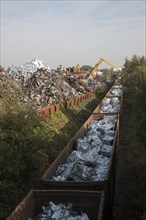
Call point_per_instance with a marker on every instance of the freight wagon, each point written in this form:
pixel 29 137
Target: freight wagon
pixel 115 91
pixel 89 202
pixel 107 184
pixel 95 198
pixel 103 109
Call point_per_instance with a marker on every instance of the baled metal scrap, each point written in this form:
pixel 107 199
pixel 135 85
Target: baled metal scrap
pixel 59 212
pixel 116 92
pixel 110 105
pixel 90 160
pixel 118 86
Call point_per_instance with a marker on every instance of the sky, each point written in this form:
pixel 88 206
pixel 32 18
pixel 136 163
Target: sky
pixel 71 32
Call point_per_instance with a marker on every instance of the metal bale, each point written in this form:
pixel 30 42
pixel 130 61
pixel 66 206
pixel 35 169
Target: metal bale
pixel 118 88
pixel 108 112
pixel 89 202
pixel 107 184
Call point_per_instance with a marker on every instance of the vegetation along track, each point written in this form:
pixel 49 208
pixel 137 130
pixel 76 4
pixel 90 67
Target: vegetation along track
pixel 29 142
pixel 130 190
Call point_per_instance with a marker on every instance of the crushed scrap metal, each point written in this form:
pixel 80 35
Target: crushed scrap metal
pixel 43 86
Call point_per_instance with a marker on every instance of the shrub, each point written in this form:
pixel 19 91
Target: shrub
pixel 135 81
pixel 23 136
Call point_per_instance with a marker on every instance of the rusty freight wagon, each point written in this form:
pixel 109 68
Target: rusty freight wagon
pixel 89 202
pixel 115 91
pixel 109 106
pixel 107 184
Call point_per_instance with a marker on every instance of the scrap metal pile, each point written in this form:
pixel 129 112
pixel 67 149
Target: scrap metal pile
pixel 110 105
pixel 59 212
pixel 90 160
pixel 24 72
pixel 74 82
pixel 44 86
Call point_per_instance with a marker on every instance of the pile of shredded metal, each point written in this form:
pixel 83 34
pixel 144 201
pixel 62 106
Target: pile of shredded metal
pixel 24 72
pixel 59 212
pixel 43 86
pixel 90 160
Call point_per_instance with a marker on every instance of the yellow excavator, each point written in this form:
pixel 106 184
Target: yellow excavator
pixel 96 69
pixel 76 71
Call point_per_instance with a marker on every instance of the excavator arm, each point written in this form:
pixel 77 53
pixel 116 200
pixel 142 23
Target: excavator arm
pixel 96 68
pixel 106 61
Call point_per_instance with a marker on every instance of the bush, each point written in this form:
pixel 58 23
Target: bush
pixel 130 179
pixel 23 138
pixel 135 81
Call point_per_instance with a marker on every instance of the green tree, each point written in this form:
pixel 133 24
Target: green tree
pixel 87 68
pixel 135 81
pixel 107 73
pixel 23 138
pixel 131 65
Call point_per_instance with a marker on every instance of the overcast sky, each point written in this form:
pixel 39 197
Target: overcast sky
pixel 71 32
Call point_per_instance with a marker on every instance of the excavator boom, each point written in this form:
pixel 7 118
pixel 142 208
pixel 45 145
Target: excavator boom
pixel 96 68
pixel 106 61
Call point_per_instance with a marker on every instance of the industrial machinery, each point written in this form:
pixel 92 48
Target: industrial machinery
pixel 76 71
pixel 94 71
pixel 77 68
